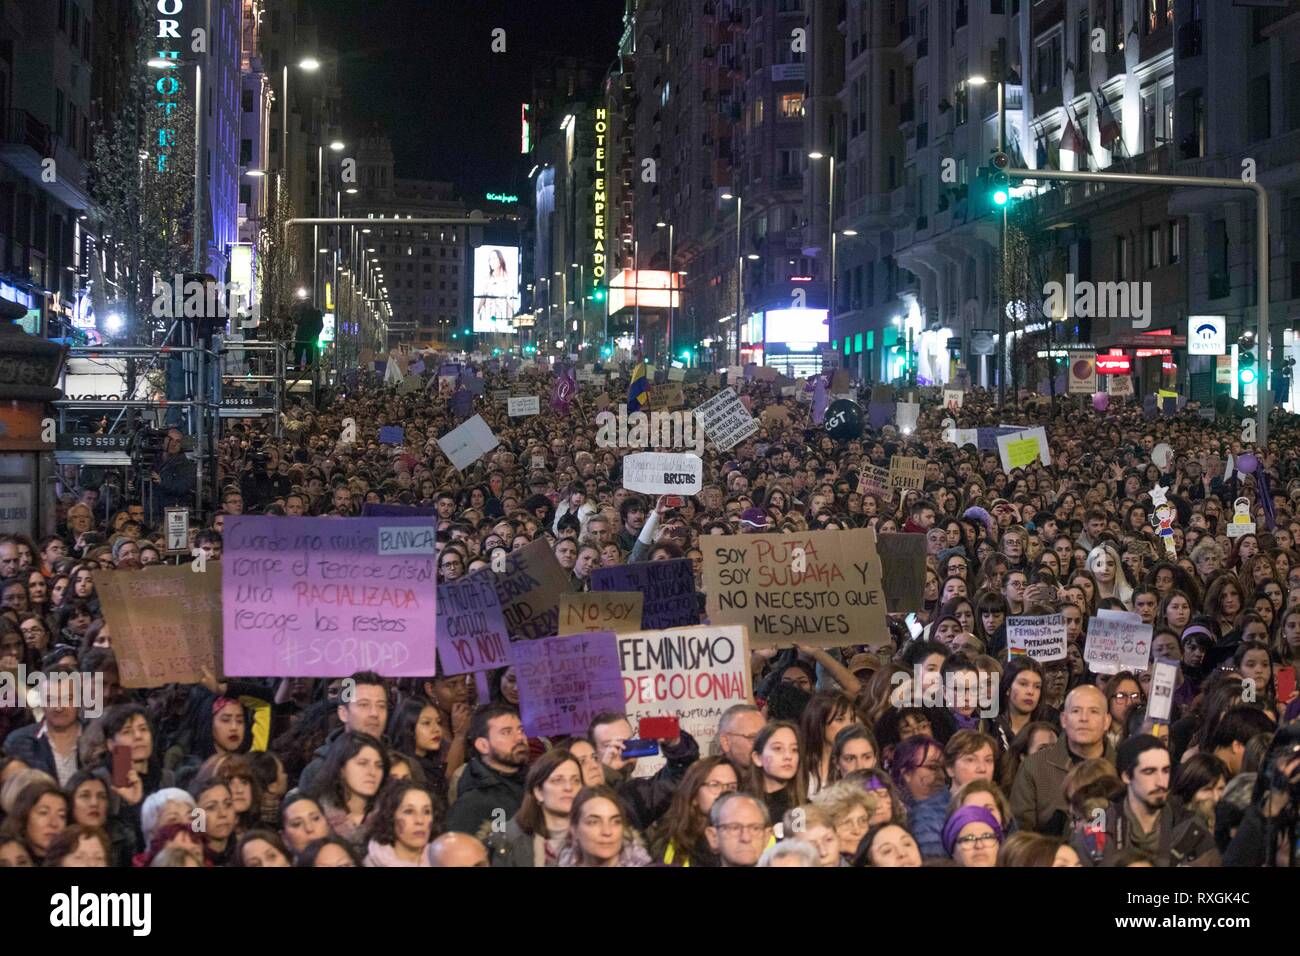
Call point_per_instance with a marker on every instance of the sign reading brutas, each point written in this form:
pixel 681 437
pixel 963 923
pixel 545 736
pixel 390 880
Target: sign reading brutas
pixel 821 588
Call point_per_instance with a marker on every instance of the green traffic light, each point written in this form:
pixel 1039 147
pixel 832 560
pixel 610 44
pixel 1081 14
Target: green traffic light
pixel 599 295
pixel 1247 376
pixel 1000 197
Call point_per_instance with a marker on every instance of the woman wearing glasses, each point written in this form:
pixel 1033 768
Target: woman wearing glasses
pixel 1123 693
pixel 678 838
pixel 972 837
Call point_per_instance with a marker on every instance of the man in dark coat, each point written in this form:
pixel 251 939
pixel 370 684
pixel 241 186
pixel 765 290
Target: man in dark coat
pixel 492 785
pixel 647 798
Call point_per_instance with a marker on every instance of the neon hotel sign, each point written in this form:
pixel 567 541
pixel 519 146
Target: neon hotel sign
pixel 168 86
pixel 598 199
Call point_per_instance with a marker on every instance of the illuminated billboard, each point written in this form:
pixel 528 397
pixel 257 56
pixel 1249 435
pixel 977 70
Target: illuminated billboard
pixel 645 287
pixel 797 326
pixel 496 288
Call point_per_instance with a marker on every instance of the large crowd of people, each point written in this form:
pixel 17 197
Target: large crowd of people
pixel 828 766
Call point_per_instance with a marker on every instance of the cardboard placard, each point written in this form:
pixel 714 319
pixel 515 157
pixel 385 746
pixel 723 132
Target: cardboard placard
pixel 617 611
pixel 668 588
pixel 775 416
pixel 691 673
pixel 165 621
pixel 566 681
pixel 664 397
pixel 471 630
pixel 906 474
pixel 902 561
pixel 529 590
pixel 1041 637
pixel 319 597
pixel 726 420
pixel 873 480
pixel 820 588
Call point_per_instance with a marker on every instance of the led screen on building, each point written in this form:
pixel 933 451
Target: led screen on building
pixel 797 326
pixel 496 288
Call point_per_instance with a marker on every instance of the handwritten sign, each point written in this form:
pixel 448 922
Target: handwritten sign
pixel 726 420
pixel 906 474
pixel 518 406
pixel 668 588
pixel 663 473
pixel 617 611
pixel 565 681
pixel 873 480
pixel 1041 637
pixel 1019 449
pixel 165 621
pixel 691 673
pixel 529 590
pixel 822 588
pixel 953 397
pixel 1117 641
pixel 471 629
pixel 662 397
pixel 1164 676
pixel 320 597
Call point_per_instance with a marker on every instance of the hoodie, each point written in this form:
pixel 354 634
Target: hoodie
pixel 481 792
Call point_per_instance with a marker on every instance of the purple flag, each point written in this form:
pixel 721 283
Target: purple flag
pixel 820 400
pixel 462 403
pixel 566 387
pixel 1265 494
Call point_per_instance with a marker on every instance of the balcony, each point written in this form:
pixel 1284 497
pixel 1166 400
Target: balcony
pixel 1190 40
pixel 25 144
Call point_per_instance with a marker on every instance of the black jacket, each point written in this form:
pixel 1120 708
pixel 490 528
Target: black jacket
pixel 647 798
pixel 1183 837
pixel 481 792
pixel 177 476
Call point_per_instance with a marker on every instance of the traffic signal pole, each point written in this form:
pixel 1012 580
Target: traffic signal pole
pixel 1261 251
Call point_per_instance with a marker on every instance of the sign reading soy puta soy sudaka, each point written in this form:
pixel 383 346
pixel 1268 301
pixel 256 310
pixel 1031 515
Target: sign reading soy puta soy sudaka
pixel 319 597
pixel 821 588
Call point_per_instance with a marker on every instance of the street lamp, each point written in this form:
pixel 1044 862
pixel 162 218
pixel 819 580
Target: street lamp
pixel 740 265
pixel 308 64
pixel 815 155
pixel 980 80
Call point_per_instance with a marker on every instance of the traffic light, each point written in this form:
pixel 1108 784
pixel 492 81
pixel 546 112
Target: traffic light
pixel 598 294
pixel 1246 371
pixel 990 193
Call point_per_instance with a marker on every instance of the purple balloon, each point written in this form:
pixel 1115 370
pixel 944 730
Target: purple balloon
pixel 1100 401
pixel 1246 464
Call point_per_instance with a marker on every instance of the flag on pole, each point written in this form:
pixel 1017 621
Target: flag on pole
pixel 566 387
pixel 637 389
pixel 821 399
pixel 1071 138
pixel 1107 124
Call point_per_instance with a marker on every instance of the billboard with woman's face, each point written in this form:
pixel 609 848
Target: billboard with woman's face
pixel 496 288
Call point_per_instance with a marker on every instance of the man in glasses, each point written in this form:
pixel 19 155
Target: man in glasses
pixel 738 728
pixel 739 829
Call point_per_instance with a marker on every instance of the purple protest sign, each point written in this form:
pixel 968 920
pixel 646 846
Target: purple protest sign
pixel 323 597
pixel 565 681
pixel 472 633
pixel 668 586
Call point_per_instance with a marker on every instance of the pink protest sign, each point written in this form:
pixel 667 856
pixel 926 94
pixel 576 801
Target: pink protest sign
pixel 325 597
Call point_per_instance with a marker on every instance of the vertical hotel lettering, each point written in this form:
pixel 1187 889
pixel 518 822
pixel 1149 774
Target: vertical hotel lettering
pixel 168 86
pixel 598 200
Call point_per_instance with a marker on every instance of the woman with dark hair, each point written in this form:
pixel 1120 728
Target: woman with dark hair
pixel 534 835
pixel 854 749
pixel 406 819
pixel 216 819
pixel 1021 700
pixel 599 833
pixel 1254 662
pixel 415 729
pixel 1198 783
pixel 355 769
pixel 678 838
pixel 80 846
pixel 1031 738
pixel 991 612
pixel 887 845
pixel 330 851
pixel 302 821
pixel 262 848
pixel 1224 600
pixel 778 773
pixel 36 635
pixel 75 618
pixel 39 814
pixel 1123 694
pixel 827 713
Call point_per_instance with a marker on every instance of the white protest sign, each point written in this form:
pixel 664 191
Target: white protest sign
pixel 1117 641
pixel 1164 675
pixel 1042 637
pixel 952 397
pixel 676 374
pixel 663 473
pixel 906 415
pixel 726 420
pixel 467 443
pixel 520 405
pixel 1119 385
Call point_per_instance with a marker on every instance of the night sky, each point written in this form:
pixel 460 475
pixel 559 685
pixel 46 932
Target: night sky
pixel 424 71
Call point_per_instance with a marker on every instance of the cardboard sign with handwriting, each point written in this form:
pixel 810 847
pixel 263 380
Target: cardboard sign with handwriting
pixel 165 621
pixel 617 611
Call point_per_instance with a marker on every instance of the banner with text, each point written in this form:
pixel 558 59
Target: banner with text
pixel 529 590
pixel 565 681
pixel 1041 637
pixel 1117 641
pixel 663 473
pixel 165 622
pixel 668 588
pixel 727 422
pixel 471 630
pixel 617 611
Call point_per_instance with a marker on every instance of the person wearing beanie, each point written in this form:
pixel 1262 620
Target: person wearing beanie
pixel 1145 819
pixel 972 836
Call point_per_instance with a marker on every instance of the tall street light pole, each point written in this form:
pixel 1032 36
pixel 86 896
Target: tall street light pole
pixel 672 284
pixel 815 155
pixel 740 266
pixel 1003 348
